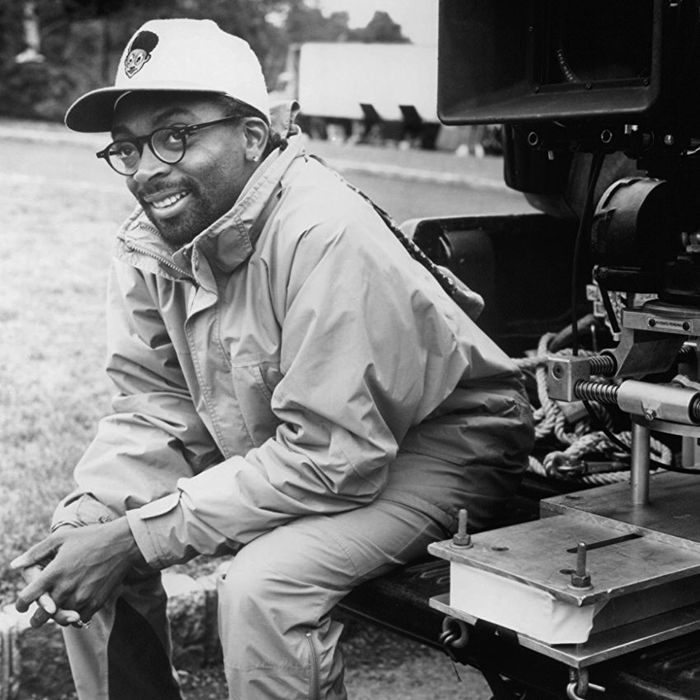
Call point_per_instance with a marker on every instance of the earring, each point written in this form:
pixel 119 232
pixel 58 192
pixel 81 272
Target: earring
pixel 255 158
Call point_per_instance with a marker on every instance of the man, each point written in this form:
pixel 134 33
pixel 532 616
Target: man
pixel 291 386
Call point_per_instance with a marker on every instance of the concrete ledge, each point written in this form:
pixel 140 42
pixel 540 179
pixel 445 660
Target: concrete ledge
pixel 192 610
pixel 34 661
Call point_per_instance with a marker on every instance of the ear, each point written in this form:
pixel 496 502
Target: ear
pixel 256 134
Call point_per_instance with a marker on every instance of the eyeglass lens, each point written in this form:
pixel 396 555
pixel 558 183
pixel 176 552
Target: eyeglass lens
pixel 167 144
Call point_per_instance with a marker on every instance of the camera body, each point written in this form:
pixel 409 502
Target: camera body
pixel 594 64
pixel 571 79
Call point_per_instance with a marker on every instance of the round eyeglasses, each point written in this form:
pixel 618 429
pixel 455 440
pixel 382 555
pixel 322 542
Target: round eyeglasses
pixel 168 144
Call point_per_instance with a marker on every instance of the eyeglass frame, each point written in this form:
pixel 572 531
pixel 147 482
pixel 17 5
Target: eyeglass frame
pixel 182 132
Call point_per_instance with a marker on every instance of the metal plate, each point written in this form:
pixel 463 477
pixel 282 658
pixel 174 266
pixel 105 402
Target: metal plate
pixel 652 568
pixel 671 516
pixel 540 553
pixel 605 645
pixel 664 318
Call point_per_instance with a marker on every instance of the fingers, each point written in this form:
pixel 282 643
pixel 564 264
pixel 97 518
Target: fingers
pixel 32 575
pixel 31 563
pixel 61 617
pixel 35 591
pixel 45 601
pixel 34 555
pixel 47 607
pixel 67 617
pixel 39 617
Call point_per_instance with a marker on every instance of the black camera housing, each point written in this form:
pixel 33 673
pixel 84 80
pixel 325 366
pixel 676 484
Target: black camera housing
pixel 606 60
pixel 574 82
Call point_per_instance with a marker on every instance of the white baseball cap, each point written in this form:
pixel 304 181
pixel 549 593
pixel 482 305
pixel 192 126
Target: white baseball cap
pixel 192 55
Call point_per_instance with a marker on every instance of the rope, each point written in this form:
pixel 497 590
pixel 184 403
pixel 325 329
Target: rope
pixel 571 430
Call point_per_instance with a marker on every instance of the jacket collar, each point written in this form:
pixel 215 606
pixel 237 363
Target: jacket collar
pixel 230 240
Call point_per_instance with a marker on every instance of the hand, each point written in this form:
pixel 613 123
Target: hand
pixel 46 608
pixel 86 567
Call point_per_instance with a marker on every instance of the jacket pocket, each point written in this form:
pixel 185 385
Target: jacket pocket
pixel 254 385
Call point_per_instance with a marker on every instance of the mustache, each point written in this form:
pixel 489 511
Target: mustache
pixel 164 187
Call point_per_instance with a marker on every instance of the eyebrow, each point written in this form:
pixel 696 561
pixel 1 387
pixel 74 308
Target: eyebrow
pixel 160 117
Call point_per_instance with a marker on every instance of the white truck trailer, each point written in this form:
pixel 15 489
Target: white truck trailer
pixel 372 90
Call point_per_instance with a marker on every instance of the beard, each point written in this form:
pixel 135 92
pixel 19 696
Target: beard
pixel 196 213
pixel 182 229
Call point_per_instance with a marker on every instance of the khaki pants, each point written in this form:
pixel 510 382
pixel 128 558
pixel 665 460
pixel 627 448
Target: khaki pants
pixel 275 599
pixel 274 603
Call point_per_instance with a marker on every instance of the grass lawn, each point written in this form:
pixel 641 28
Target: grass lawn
pixel 56 249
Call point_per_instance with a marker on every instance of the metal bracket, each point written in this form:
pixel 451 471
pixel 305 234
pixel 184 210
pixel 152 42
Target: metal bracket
pixel 563 373
pixel 579 685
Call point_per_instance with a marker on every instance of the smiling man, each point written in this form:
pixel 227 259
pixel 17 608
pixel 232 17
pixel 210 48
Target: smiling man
pixel 291 385
pixel 181 202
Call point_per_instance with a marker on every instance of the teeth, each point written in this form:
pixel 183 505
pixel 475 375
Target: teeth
pixel 168 201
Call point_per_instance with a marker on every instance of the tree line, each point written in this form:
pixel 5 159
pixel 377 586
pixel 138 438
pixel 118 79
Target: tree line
pixel 52 51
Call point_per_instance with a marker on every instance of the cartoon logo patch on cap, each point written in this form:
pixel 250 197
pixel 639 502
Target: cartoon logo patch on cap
pixel 139 52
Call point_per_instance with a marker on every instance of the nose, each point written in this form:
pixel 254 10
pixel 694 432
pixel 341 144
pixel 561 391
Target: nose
pixel 149 166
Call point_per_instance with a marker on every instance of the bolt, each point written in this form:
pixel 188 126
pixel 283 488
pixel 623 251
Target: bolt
pixel 580 578
pixel 650 414
pixel 462 538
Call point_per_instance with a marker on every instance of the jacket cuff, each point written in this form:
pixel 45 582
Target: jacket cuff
pixel 78 509
pixel 155 528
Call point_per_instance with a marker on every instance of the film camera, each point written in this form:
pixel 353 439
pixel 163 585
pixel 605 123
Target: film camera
pixel 600 106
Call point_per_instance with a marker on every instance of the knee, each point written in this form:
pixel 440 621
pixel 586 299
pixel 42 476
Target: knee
pixel 261 589
pixel 252 605
pixel 245 585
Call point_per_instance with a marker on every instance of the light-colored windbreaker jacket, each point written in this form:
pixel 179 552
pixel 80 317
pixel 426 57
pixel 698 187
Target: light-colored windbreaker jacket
pixel 271 368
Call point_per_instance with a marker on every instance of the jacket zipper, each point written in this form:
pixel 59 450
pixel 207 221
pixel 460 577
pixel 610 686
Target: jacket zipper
pixel 314 681
pixel 160 258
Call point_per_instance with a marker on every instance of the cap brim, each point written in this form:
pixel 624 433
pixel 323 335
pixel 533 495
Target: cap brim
pixel 94 111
